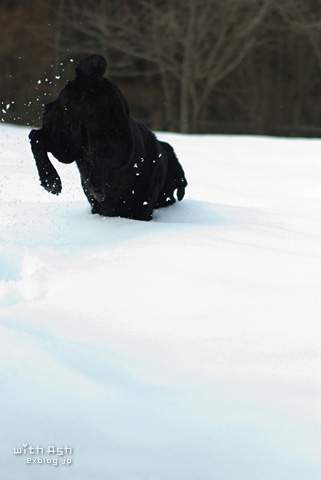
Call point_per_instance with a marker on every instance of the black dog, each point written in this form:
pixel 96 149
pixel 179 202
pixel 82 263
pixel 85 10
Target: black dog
pixel 125 171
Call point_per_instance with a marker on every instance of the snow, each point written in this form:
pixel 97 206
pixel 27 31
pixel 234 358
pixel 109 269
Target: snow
pixel 185 348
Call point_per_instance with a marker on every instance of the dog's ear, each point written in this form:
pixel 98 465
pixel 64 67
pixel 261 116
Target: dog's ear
pixel 92 66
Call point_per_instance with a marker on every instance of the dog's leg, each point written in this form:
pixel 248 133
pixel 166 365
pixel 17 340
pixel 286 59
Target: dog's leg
pixel 49 177
pixel 144 212
pixel 175 178
pixel 176 171
pixel 95 207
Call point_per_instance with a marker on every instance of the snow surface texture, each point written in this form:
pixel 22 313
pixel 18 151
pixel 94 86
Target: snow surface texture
pixel 186 348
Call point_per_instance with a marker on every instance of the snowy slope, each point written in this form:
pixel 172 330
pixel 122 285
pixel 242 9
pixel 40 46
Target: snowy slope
pixel 186 348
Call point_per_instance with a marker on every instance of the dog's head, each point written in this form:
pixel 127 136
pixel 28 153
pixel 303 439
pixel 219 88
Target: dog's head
pixel 91 66
pixel 99 120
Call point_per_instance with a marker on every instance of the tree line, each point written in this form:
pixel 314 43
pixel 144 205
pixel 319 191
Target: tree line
pixel 191 66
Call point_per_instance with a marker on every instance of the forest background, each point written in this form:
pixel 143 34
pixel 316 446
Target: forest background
pixel 190 66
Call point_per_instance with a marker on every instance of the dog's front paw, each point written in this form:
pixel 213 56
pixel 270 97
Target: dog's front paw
pixel 51 182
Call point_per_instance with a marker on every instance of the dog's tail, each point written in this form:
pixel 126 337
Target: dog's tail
pixel 92 66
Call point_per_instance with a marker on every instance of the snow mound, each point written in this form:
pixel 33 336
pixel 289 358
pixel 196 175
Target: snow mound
pixel 185 348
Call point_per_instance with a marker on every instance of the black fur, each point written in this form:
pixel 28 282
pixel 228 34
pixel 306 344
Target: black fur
pixel 125 171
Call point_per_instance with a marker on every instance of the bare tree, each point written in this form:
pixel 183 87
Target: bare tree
pixel 22 59
pixel 279 81
pixel 303 18
pixel 191 45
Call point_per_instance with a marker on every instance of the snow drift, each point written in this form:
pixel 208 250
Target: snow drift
pixel 187 348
